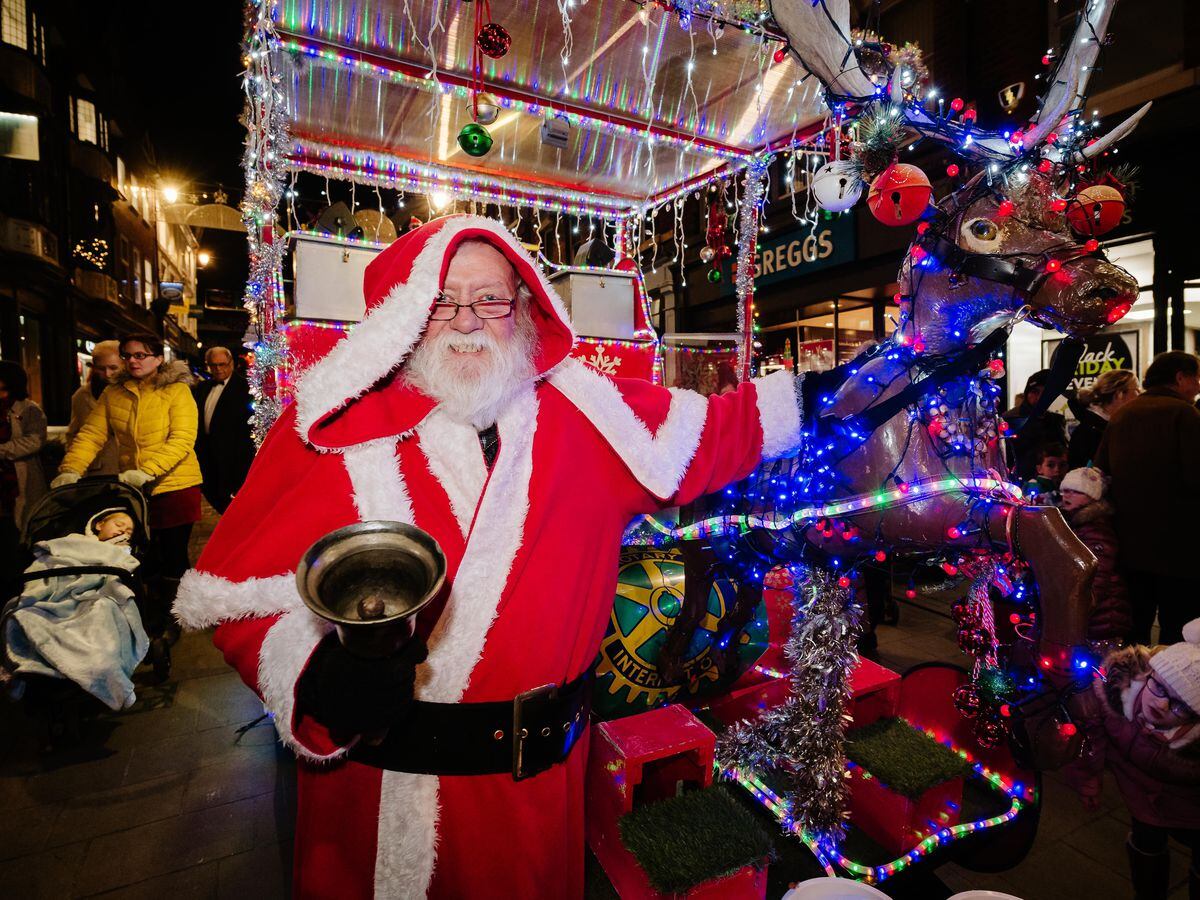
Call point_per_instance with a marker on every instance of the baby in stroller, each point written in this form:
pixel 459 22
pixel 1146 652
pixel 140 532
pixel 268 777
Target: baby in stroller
pixel 77 617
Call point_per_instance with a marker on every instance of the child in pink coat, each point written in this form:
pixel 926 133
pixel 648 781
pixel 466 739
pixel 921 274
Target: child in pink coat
pixel 1142 723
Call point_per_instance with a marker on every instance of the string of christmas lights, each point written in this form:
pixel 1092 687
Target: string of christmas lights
pixel 546 109
pixel 265 165
pixel 909 492
pixel 1019 796
pixel 388 171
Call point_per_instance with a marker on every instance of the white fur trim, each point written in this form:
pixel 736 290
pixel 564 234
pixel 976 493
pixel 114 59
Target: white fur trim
pixel 204 599
pixel 408 813
pixel 281 660
pixel 385 337
pixel 379 490
pixel 457 641
pixel 779 413
pixel 456 461
pixel 658 461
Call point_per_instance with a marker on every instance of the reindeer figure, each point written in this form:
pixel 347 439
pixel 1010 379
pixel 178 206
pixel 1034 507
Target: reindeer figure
pixel 996 250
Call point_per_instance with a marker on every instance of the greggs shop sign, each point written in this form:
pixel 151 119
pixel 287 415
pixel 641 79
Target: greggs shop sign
pixel 799 251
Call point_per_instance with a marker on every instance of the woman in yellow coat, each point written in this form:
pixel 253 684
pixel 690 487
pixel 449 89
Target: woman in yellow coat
pixel 151 413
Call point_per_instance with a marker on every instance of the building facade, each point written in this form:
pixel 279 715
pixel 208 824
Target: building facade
pixel 83 254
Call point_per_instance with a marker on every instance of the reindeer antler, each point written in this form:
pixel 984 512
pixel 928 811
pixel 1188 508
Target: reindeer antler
pixel 818 33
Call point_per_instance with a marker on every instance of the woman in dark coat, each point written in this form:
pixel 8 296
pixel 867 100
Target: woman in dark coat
pixel 1093 407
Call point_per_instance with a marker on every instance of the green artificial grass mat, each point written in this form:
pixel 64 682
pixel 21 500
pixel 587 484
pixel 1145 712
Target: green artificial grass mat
pixel 689 839
pixel 906 760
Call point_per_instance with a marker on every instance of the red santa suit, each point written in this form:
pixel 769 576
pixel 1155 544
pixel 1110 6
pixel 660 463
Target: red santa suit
pixel 532 549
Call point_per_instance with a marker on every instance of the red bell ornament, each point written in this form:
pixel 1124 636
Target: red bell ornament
pixel 899 195
pixel 1096 209
pixel 967 701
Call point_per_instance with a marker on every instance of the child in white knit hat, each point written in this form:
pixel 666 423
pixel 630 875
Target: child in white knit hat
pixel 1142 722
pixel 1084 502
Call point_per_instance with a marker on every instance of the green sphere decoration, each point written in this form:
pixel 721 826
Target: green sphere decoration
pixel 474 140
pixel 714 276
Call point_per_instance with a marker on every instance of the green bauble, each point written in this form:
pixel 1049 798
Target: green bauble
pixel 475 140
pixel 714 276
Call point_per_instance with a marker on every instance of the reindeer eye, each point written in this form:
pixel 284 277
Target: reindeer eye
pixel 984 229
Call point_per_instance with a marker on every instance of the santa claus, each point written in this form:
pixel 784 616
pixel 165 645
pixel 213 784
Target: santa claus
pixel 454 407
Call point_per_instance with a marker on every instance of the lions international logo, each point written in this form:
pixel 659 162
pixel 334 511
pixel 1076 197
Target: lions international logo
pixel 649 597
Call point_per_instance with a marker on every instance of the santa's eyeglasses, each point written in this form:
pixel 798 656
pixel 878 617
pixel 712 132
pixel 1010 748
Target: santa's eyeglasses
pixel 444 309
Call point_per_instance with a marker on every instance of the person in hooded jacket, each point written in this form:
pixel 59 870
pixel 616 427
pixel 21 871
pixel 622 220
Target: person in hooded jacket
pixel 1141 723
pixel 151 413
pixel 1093 407
pixel 1085 505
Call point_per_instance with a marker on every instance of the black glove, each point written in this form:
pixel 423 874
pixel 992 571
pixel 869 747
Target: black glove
pixel 351 695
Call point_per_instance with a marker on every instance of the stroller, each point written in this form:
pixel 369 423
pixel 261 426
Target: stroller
pixel 67 510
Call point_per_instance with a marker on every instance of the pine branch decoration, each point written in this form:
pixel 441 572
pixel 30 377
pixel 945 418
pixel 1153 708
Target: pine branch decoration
pixel 880 136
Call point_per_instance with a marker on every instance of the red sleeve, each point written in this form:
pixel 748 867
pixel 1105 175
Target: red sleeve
pixel 700 445
pixel 245 583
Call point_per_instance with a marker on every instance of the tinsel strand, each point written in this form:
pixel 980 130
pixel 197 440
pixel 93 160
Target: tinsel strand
pixel 802 740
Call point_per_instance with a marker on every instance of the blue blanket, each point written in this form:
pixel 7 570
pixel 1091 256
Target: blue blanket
pixel 83 627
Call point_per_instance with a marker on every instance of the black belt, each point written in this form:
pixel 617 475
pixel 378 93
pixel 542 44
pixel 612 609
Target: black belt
pixel 525 736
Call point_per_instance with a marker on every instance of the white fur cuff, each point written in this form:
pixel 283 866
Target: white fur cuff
pixel 779 413
pixel 281 661
pixel 204 600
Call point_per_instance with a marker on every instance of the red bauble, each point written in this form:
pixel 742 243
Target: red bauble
pixel 899 195
pixel 989 732
pixel 1096 209
pixel 962 612
pixel 967 701
pixel 493 40
pixel 975 641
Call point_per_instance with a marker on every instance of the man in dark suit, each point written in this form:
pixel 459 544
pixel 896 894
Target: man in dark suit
pixel 223 441
pixel 1151 448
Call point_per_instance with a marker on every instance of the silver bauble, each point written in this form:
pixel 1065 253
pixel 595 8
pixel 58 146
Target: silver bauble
pixel 708 254
pixel 835 187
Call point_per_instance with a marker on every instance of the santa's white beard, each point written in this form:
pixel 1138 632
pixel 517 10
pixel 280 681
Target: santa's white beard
pixel 473 376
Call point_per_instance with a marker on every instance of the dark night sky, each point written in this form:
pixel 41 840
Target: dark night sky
pixel 171 71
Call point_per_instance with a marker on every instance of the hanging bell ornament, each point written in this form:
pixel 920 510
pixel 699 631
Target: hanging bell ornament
pixel 493 40
pixel 963 611
pixel 975 641
pixel 707 255
pixel 474 140
pixel 1096 209
pixel 899 195
pixel 485 110
pixel 967 701
pixel 714 276
pixel 989 732
pixel 835 187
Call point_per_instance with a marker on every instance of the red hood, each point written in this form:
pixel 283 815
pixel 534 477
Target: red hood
pixel 354 394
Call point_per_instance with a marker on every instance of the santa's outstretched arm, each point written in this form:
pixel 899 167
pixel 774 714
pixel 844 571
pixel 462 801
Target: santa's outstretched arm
pixel 679 445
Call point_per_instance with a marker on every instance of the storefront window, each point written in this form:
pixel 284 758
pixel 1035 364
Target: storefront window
pixel 833 332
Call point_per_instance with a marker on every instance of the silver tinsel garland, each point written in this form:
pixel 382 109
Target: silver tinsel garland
pixel 265 165
pixel 802 740
pixel 751 205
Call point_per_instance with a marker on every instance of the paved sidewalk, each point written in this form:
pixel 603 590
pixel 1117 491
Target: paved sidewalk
pixel 165 799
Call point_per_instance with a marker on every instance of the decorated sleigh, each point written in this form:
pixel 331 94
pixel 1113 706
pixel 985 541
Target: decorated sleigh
pixel 730 656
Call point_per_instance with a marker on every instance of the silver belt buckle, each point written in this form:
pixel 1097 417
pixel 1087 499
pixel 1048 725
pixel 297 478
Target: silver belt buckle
pixel 520 731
